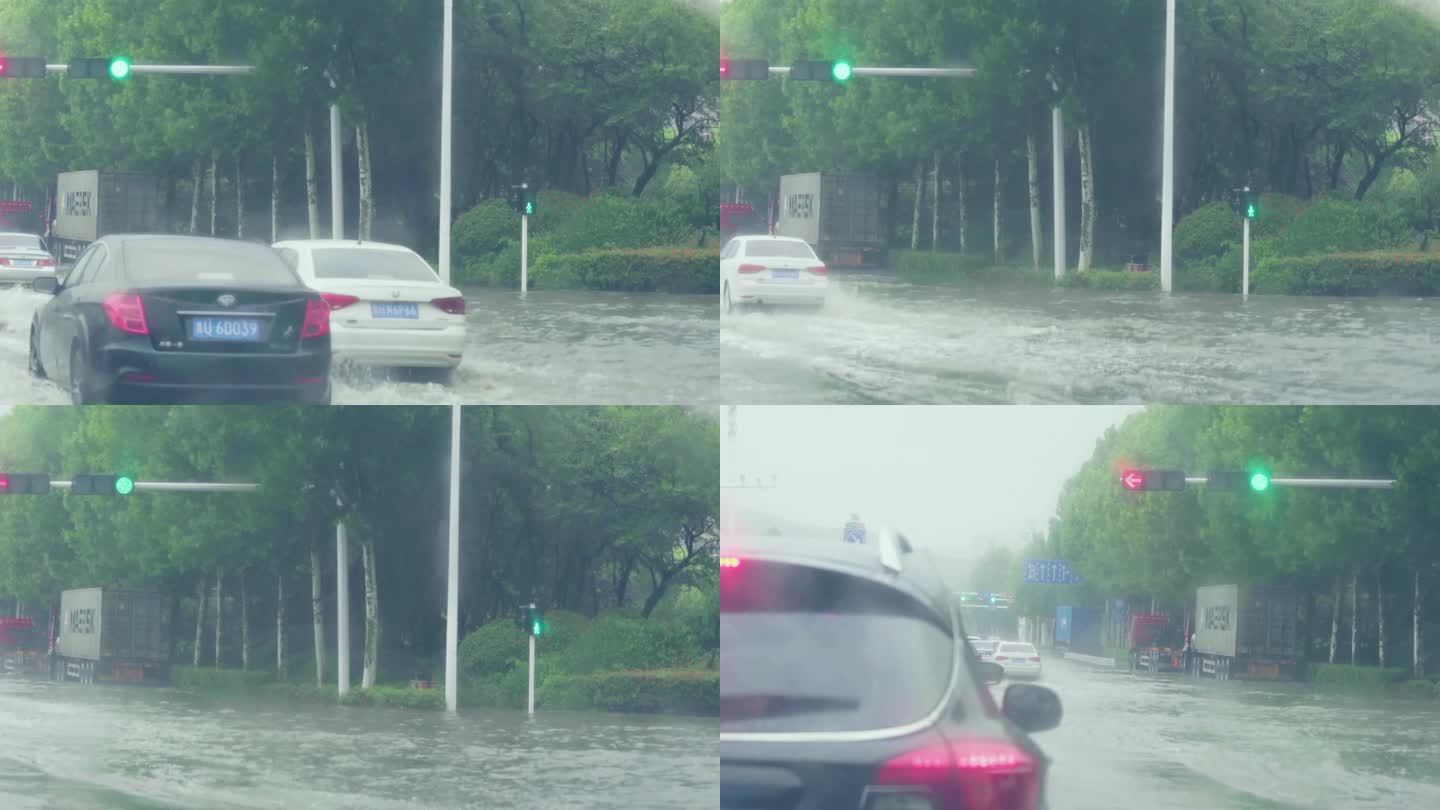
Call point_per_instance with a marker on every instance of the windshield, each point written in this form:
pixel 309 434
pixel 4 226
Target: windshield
pixel 816 651
pixel 205 263
pixel 370 265
pixel 20 240
pixel 778 249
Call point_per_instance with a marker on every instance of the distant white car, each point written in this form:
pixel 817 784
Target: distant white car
pixel 23 258
pixel 771 270
pixel 1018 659
pixel 387 305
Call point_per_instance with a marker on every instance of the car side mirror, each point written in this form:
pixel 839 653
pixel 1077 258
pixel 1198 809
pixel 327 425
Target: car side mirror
pixel 1032 708
pixel 991 672
pixel 46 284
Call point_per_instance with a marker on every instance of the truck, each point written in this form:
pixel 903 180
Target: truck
pixel 20 648
pixel 93 204
pixel 112 634
pixel 1246 632
pixel 1077 629
pixel 737 219
pixel 838 214
pixel 1155 643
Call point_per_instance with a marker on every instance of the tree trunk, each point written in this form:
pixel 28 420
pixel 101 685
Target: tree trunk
pixel 239 199
pixel 919 199
pixel 317 615
pixel 214 191
pixel 244 624
pixel 312 183
pixel 1417 663
pixel 372 616
pixel 280 626
pixel 367 200
pixel 1087 199
pixel 1380 618
pixel 1032 160
pixel 1354 615
pixel 960 199
pixel 200 619
pixel 935 205
pixel 274 198
pixel 219 611
pixel 999 189
pixel 1335 606
pixel 195 196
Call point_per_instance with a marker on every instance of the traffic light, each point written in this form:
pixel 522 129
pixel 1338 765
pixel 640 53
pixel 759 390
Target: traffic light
pixel 831 71
pixel 24 483
pixel 522 200
pixel 22 67
pixel 744 69
pixel 1256 480
pixel 1153 480
pixel 1251 202
pixel 117 68
pixel 529 619
pixel 102 485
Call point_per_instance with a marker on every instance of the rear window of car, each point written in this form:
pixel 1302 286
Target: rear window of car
pixel 202 262
pixel 807 650
pixel 778 249
pixel 20 240
pixel 377 265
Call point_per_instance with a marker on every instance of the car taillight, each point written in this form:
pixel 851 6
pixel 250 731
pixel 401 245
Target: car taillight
pixel 337 301
pixel 127 313
pixel 45 263
pixel 317 319
pixel 818 269
pixel 751 268
pixel 964 774
pixel 452 306
pixel 729 562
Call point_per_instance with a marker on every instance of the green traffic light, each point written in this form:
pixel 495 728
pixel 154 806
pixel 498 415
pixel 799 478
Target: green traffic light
pixel 1259 481
pixel 124 485
pixel 535 628
pixel 1250 212
pixel 842 71
pixel 529 208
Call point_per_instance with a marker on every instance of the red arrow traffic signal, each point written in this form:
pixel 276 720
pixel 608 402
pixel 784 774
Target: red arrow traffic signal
pixel 1152 480
pixel 1133 480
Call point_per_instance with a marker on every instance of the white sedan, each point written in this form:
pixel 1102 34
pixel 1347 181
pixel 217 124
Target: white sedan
pixel 1018 659
pixel 771 270
pixel 387 305
pixel 23 258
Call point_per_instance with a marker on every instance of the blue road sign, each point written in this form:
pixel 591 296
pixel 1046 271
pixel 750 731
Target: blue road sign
pixel 855 532
pixel 1049 572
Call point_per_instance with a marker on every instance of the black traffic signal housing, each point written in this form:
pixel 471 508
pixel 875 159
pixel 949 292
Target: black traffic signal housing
pixel 1255 480
pixel 102 485
pixel 24 483
pixel 522 199
pixel 1250 201
pixel 744 69
pixel 530 620
pixel 821 71
pixel 22 67
pixel 116 68
pixel 1153 480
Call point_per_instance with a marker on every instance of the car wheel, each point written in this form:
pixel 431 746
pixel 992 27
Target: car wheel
pixel 37 369
pixel 82 387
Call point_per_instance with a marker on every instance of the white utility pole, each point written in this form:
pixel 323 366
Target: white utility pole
pixel 452 585
pixel 446 113
pixel 524 253
pixel 1167 183
pixel 342 606
pixel 1245 264
pixel 532 673
pixel 1057 136
pixel 337 177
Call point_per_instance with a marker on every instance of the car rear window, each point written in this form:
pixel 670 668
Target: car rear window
pixel 985 646
pixel 20 240
pixel 204 263
pixel 775 248
pixel 378 265
pixel 807 650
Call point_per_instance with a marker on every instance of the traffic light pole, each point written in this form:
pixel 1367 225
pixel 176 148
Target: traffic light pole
pixel 1167 182
pixel 531 702
pixel 452 576
pixel 176 70
pixel 342 608
pixel 911 72
pixel 1316 483
pixel 524 253
pixel 1245 262
pixel 176 486
pixel 446 115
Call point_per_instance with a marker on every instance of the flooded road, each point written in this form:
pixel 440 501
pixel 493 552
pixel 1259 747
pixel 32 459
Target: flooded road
pixel 77 748
pixel 883 341
pixel 1163 742
pixel 553 347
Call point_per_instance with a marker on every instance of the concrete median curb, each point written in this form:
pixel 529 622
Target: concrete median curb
pixel 1093 660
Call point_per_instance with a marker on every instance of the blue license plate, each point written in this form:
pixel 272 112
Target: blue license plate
pixel 785 275
pixel 239 330
pixel 24 262
pixel 388 310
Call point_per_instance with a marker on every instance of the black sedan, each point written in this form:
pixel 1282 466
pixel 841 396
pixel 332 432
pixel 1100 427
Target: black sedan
pixel 182 319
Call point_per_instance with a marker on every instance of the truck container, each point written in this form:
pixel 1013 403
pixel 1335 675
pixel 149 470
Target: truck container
pixel 93 204
pixel 1078 629
pixel 838 214
pixel 1245 631
pixel 112 634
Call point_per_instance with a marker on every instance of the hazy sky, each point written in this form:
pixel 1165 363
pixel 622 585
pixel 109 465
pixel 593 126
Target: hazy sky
pixel 957 479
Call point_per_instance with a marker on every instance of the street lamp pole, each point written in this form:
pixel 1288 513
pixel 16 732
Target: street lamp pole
pixel 1167 183
pixel 452 589
pixel 446 113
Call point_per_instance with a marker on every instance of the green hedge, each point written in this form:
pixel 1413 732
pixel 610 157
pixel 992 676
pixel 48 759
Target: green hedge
pixel 498 646
pixel 672 270
pixel 671 691
pixel 1348 676
pixel 1417 688
pixel 621 642
pixel 211 679
pixel 400 696
pixel 941 267
pixel 1341 226
pixel 1112 280
pixel 1349 274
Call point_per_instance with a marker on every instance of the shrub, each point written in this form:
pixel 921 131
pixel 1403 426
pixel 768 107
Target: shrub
pixel 1338 226
pixel 1349 274
pixel 1349 676
pixel 1204 233
pixel 484 230
pixel 616 642
pixel 403 697
pixel 674 270
pixel 497 647
pixel 1113 280
pixel 940 267
pixel 674 691
pixel 209 678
